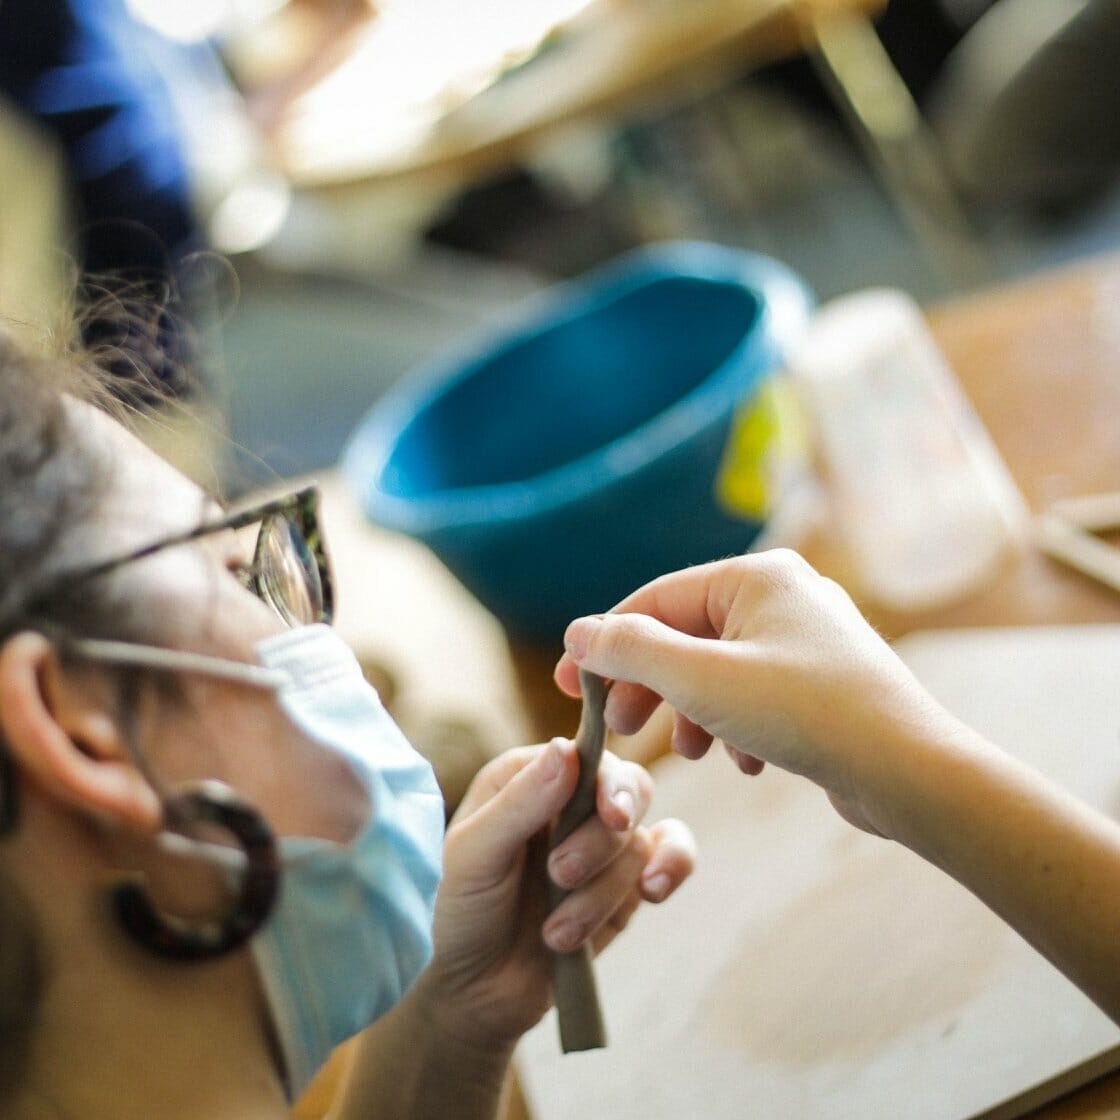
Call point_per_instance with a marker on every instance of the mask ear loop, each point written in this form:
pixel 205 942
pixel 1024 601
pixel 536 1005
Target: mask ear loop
pixel 215 803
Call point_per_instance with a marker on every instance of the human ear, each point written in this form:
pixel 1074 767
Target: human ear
pixel 66 741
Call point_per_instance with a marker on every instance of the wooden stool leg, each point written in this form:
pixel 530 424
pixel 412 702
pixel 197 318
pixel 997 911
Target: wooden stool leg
pixel 322 1093
pixel 858 72
pixel 514 1105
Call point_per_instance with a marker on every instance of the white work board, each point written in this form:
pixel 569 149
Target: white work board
pixel 810 970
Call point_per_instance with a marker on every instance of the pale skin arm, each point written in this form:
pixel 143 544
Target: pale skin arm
pixel 445 1049
pixel 776 661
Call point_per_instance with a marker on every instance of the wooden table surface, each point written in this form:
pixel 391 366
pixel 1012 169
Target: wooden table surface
pixel 1040 359
pixel 1041 362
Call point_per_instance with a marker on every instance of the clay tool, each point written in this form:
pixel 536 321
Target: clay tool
pixel 577 1000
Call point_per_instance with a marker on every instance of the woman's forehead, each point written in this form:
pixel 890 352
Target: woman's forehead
pixel 146 498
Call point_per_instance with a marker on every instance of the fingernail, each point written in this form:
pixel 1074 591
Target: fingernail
pixel 568 870
pixel 578 637
pixel 657 887
pixel 564 936
pixel 551 762
pixel 623 801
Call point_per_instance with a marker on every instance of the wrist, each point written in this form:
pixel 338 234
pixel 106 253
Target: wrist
pixel 412 1065
pixel 896 778
pixel 458 1037
pixel 942 769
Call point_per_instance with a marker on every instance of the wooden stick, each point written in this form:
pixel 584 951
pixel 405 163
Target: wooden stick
pixel 577 1000
pixel 1078 548
pixel 1094 512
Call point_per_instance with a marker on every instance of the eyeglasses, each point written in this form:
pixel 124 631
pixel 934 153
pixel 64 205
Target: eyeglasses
pixel 290 569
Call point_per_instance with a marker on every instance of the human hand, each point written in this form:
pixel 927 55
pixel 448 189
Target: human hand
pixel 767 655
pixel 491 974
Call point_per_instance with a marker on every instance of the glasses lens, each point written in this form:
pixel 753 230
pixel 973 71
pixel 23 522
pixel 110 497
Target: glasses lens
pixel 288 573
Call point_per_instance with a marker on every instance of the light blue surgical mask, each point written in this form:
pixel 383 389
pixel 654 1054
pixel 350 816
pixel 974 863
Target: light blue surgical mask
pixel 353 925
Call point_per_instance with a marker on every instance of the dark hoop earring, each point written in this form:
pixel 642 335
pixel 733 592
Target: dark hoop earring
pixel 214 803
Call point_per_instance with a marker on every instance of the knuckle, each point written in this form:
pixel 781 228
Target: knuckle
pixel 675 836
pixel 639 780
pixel 641 845
pixel 626 635
pixel 621 915
pixel 781 566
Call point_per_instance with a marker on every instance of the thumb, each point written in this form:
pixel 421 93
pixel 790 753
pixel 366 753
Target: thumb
pixel 488 843
pixel 639 649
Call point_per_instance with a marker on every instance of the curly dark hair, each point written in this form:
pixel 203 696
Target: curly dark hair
pixel 50 481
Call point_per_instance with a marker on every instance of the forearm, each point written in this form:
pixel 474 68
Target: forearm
pixel 1048 864
pixel 407 1068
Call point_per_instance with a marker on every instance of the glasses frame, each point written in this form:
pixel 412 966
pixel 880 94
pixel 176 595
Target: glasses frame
pixel 300 506
pixel 139 656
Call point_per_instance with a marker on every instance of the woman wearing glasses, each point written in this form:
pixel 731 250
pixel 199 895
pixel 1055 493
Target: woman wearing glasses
pixel 218 856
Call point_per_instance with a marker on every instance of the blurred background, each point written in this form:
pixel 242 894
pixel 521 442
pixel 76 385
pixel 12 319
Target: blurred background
pixel 380 180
